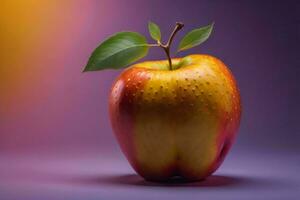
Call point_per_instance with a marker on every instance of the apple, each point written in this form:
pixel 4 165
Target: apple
pixel 175 123
pixel 172 118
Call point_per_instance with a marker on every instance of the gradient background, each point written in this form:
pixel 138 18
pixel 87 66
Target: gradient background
pixel 54 129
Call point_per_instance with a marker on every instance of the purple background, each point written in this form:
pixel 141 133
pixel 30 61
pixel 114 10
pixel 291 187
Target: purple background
pixel 64 143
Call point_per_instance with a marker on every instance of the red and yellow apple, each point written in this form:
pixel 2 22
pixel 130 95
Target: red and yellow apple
pixel 179 122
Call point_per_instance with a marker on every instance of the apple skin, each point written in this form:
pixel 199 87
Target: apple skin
pixel 179 122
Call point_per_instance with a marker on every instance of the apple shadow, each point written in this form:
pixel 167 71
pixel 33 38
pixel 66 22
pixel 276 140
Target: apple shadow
pixel 135 180
pixel 96 180
pixel 129 180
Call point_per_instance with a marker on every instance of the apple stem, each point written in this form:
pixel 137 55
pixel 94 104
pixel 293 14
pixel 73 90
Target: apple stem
pixel 166 47
pixel 167 50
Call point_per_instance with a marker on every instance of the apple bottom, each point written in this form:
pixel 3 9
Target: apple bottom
pixel 178 172
pixel 166 142
pixel 166 155
pixel 186 158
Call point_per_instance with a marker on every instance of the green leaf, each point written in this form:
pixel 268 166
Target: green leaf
pixel 118 51
pixel 195 37
pixel 154 31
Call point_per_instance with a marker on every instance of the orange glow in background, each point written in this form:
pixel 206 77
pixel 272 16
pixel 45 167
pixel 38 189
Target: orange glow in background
pixel 31 32
pixel 43 47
